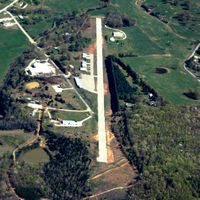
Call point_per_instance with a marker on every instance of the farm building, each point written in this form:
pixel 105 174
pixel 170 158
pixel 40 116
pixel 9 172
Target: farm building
pixel 69 123
pixel 118 34
pixel 40 68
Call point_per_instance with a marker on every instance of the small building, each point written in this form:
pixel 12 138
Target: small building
pixel 57 88
pixel 118 34
pixel 112 39
pixel 86 56
pixel 34 106
pixel 70 123
pixel 21 17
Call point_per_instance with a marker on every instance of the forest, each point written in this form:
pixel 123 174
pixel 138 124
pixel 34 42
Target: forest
pixel 65 176
pixel 163 143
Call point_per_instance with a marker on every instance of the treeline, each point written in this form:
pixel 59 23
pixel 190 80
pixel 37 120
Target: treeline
pixel 121 89
pixel 117 20
pixel 13 116
pixel 163 143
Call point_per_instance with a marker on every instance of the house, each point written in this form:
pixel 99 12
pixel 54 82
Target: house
pixel 118 34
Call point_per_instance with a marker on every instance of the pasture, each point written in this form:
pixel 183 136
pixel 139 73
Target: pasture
pixel 68 5
pixel 12 44
pixel 156 45
pixel 170 85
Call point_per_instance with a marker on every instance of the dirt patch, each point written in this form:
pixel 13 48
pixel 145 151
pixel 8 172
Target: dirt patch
pixel 92 48
pixel 95 137
pixel 32 85
pixel 160 55
pixel 162 70
pixel 106 89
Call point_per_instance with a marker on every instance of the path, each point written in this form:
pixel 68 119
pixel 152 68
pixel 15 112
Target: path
pixel 22 29
pixel 31 141
pixel 100 89
pixel 107 191
pixel 119 164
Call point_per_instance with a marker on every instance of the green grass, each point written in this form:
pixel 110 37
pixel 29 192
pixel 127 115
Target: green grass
pixel 190 30
pixel 148 37
pixel 66 5
pixel 39 27
pixel 11 139
pixel 171 85
pixel 3 5
pixel 35 156
pixel 70 115
pixel 12 44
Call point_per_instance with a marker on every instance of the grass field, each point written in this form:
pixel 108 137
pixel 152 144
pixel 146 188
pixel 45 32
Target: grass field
pixel 69 115
pixel 156 45
pixel 35 156
pixel 171 85
pixel 12 44
pixel 66 5
pixel 191 26
pixel 9 140
pixel 2 5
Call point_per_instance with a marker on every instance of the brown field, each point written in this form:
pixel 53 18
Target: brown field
pixel 32 85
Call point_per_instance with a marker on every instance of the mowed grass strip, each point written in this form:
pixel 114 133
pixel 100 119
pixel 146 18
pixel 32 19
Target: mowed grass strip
pixel 71 5
pixel 12 44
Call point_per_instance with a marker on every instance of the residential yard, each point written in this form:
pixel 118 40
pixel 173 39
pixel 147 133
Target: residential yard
pixel 12 44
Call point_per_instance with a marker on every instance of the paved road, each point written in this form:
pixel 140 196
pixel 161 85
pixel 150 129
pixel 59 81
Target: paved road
pixel 100 89
pixel 8 6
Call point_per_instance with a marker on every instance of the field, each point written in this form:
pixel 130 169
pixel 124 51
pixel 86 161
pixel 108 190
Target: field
pixel 66 5
pixel 13 43
pixel 2 5
pixel 69 115
pixel 153 48
pixel 35 156
pixel 187 23
pixel 9 140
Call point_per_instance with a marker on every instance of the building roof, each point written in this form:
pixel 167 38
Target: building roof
pixel 71 123
pixel 118 34
pixel 78 82
pixel 34 106
pixel 39 68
